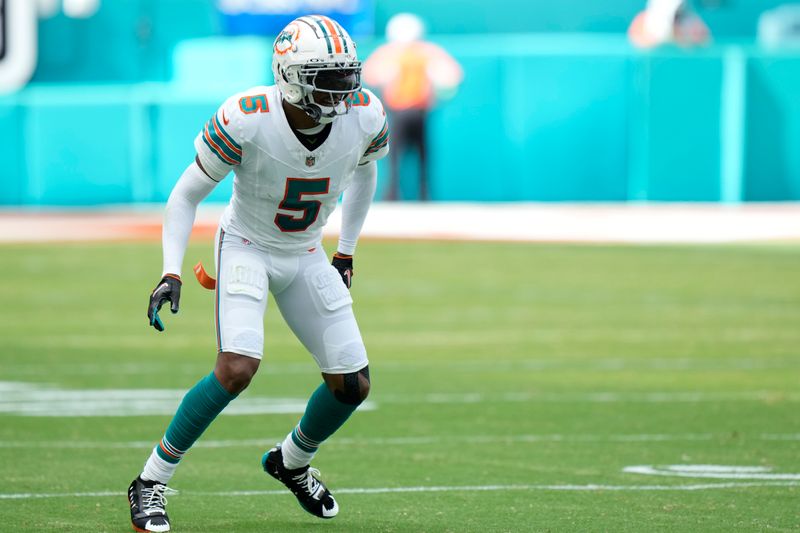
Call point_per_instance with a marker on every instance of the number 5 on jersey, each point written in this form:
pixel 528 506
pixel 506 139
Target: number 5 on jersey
pixel 297 189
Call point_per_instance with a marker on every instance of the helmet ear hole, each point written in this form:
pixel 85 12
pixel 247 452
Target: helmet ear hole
pixel 293 94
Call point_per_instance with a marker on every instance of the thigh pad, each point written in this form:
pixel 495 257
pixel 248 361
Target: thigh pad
pixel 328 289
pixel 246 277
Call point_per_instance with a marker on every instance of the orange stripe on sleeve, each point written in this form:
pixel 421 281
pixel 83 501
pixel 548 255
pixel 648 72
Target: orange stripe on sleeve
pixel 217 150
pixel 226 141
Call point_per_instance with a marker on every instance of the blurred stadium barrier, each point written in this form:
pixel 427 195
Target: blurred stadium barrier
pixel 540 117
pixel 507 222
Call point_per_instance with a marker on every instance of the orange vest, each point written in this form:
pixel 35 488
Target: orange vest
pixel 411 89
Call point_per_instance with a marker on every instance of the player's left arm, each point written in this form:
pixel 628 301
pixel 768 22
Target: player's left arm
pixel 358 196
pixel 355 204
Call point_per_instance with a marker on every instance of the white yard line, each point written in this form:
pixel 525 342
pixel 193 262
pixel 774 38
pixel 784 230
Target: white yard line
pixel 454 488
pixel 515 364
pixel 711 472
pixel 780 436
pixel 48 400
pixel 587 397
pixel 411 441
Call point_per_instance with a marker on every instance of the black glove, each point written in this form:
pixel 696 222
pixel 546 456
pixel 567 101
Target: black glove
pixel 344 264
pixel 167 290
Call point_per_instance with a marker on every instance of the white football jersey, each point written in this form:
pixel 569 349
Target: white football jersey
pixel 283 192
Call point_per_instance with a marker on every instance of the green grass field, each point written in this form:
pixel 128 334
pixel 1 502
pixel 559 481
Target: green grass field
pixel 512 384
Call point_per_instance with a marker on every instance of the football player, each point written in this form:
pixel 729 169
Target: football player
pixel 294 148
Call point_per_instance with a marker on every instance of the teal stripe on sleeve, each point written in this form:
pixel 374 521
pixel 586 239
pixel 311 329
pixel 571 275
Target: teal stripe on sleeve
pixel 220 143
pixel 382 136
pixel 226 134
pixel 214 151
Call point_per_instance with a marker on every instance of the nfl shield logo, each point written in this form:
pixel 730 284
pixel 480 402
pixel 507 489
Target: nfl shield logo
pixel 310 160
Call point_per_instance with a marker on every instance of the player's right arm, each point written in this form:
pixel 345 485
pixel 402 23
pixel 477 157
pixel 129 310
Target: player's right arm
pixel 218 151
pixel 219 143
pixel 194 185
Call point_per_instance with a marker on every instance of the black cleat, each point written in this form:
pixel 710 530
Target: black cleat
pixel 148 502
pixel 313 496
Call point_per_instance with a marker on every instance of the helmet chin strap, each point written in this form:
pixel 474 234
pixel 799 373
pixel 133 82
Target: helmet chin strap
pixel 322 114
pixel 327 119
pixel 319 113
pixel 313 111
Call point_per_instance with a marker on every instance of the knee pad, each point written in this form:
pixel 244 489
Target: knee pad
pixel 352 393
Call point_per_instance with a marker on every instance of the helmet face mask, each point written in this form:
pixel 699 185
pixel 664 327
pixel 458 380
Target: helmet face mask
pixel 327 88
pixel 336 80
pixel 316 67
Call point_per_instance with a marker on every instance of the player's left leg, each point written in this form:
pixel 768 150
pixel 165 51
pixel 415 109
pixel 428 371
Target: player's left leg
pixel 318 308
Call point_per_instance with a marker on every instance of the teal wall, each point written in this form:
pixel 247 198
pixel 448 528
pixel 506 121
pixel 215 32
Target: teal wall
pixel 526 121
pixel 674 136
pixel 772 155
pixel 726 18
pixel 538 118
pixel 131 40
pixel 125 41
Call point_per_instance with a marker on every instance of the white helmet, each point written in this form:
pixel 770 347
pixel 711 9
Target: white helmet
pixel 316 66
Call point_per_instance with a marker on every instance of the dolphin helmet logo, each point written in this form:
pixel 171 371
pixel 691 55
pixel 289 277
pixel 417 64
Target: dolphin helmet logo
pixel 285 40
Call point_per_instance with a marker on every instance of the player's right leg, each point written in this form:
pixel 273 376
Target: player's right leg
pixel 318 308
pixel 241 298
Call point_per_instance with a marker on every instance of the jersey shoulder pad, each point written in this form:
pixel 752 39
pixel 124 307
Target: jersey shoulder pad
pixel 223 141
pixel 373 121
pixel 254 102
pixel 371 114
pixel 244 109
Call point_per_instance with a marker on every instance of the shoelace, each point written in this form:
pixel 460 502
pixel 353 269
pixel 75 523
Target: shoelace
pixel 155 499
pixel 308 478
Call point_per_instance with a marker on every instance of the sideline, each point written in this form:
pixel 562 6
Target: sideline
pixel 632 223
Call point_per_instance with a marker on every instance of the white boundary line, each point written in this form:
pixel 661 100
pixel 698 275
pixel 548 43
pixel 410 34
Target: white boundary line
pixel 506 221
pixel 587 397
pixel 711 471
pixel 606 364
pixel 49 400
pixel 418 440
pixel 465 488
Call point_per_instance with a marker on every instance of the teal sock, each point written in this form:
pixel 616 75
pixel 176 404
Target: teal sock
pixel 324 415
pixel 199 408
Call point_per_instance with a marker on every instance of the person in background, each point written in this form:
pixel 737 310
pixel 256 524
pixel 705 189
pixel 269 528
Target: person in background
pixel 668 21
pixel 411 75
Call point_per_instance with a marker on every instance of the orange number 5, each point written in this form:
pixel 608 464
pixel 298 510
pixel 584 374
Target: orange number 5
pixel 253 104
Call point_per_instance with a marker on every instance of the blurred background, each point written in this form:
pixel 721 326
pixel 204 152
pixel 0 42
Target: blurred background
pixel 102 99
pixel 533 363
